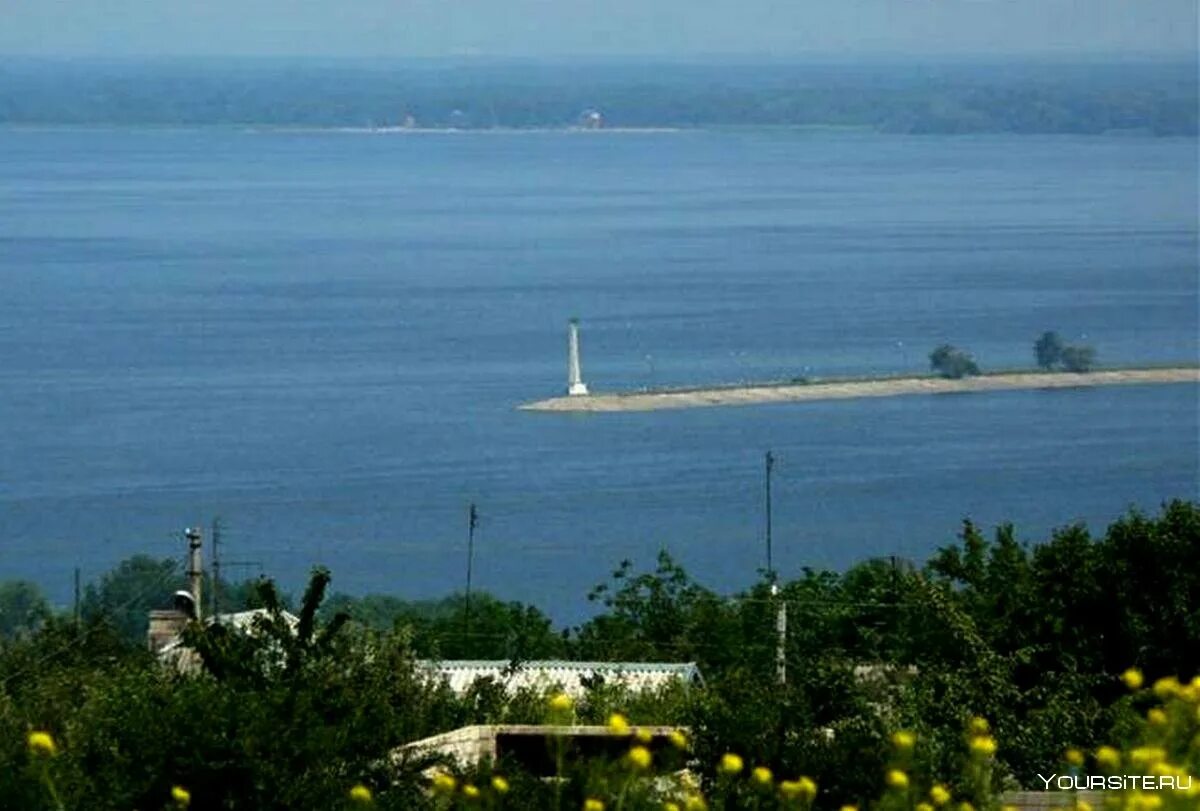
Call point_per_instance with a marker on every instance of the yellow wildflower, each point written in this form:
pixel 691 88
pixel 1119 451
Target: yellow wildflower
pixel 181 796
pixel 965 806
pixel 695 802
pixel 896 779
pixel 618 723
pixel 761 775
pixel 470 792
pixel 444 783
pixel 1166 769
pixel 979 726
pixel 41 743
pixel 1083 805
pixel 677 739
pixel 499 785
pixel 1145 802
pixel 639 758
pixel 670 806
pixel 939 794
pixel 1157 717
pixel 360 794
pixel 1009 808
pixel 592 804
pixel 790 789
pixel 808 788
pixel 923 807
pixel 1074 757
pixel 1147 755
pixel 1108 757
pixel 1133 678
pixel 730 763
pixel 848 808
pixel 1166 687
pixel 560 702
pixel 643 735
pixel 903 740
pixel 983 746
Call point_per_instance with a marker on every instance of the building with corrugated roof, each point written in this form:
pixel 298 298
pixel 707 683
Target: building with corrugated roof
pixel 572 678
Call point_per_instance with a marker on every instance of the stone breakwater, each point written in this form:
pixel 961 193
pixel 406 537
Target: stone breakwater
pixel 846 389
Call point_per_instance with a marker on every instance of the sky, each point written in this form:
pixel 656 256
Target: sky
pixel 556 28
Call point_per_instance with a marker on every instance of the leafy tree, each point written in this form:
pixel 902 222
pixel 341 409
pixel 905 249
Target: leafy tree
pixel 1048 350
pixel 665 616
pixel 1078 358
pixel 23 608
pixel 439 628
pixel 126 595
pixel 952 362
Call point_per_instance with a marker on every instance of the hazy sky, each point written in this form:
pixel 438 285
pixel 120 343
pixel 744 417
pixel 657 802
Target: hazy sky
pixel 399 28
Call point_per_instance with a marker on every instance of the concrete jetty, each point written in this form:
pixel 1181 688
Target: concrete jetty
pixel 844 389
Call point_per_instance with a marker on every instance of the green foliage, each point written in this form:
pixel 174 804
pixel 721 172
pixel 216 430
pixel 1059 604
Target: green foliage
pixel 662 616
pixel 952 362
pixel 440 629
pixel 954 97
pixel 1052 353
pixel 23 608
pixel 1078 358
pixel 291 713
pixel 1048 350
pixel 125 595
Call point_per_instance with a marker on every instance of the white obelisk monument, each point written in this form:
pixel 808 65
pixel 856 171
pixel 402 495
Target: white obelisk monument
pixel 575 385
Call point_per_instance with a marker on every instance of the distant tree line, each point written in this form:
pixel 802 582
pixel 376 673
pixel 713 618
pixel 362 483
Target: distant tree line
pixel 959 98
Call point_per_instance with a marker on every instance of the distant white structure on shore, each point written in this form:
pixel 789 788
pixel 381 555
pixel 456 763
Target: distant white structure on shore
pixel 591 119
pixel 575 385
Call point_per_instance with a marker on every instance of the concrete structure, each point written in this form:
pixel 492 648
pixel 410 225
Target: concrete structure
pixel 575 385
pixel 846 389
pixel 571 678
pixel 167 624
pixel 165 627
pixel 195 568
pixel 533 746
pixel 1043 800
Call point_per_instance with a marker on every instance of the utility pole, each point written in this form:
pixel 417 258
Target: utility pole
pixel 472 522
pixel 216 567
pixel 75 613
pixel 781 606
pixel 770 465
pixel 780 636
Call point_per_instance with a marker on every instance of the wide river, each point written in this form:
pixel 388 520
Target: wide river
pixel 321 337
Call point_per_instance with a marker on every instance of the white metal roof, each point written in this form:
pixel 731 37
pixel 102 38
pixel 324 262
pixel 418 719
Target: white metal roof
pixel 562 675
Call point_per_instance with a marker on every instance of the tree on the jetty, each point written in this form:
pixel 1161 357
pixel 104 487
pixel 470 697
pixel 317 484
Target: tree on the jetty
pixel 952 362
pixel 1078 358
pixel 1052 353
pixel 1048 350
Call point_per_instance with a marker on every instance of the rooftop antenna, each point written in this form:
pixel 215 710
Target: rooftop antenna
pixel 575 385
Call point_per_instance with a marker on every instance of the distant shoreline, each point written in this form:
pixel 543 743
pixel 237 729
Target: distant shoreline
pixel 855 388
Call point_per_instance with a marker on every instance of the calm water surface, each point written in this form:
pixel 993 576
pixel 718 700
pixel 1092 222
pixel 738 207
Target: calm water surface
pixel 321 338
